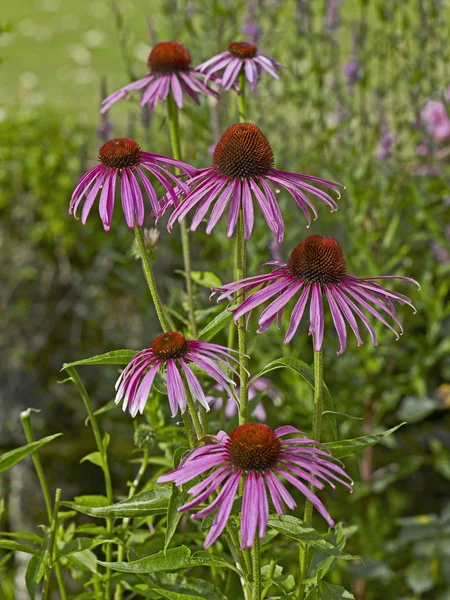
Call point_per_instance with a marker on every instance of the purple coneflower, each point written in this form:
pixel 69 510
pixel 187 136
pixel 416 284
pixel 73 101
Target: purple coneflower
pixel 243 170
pixel 256 453
pixel 170 71
pixel 172 351
pixel 240 55
pixel 316 268
pixel 125 158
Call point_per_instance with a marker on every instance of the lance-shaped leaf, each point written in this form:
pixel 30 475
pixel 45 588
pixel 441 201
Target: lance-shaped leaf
pixel 171 560
pixel 115 357
pixel 216 325
pixel 344 448
pixel 151 502
pixel 299 531
pixel 9 459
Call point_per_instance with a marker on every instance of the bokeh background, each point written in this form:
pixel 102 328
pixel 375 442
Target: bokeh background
pixel 364 100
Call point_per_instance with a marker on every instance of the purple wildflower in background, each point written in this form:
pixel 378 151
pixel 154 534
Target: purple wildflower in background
pixel 316 268
pixel 170 71
pixel 171 352
pixel 240 55
pixel 332 15
pixel 257 454
pixel 352 73
pixel 243 170
pixel 123 159
pixel 386 143
pixel 262 385
pixel 435 117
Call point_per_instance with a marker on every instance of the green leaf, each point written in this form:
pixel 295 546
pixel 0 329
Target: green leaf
pixel 115 357
pixel 170 560
pixel 94 457
pixel 34 573
pixel 205 278
pixel 31 537
pixel 328 591
pixel 79 544
pixel 297 530
pixel 152 502
pixel 306 372
pixel 216 325
pixel 176 587
pixel 344 448
pixel 85 560
pixel 9 459
pixel 11 545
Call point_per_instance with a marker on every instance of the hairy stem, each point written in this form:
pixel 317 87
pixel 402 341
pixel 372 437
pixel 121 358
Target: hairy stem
pixel 149 276
pixel 241 97
pixel 172 113
pixel 241 270
pixel 105 468
pixel 316 432
pixel 51 545
pixel 28 429
pixel 256 555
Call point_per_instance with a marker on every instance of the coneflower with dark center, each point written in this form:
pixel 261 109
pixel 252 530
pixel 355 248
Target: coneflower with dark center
pixel 242 171
pixel 170 71
pixel 316 269
pixel 122 159
pixel 258 455
pixel 240 56
pixel 170 353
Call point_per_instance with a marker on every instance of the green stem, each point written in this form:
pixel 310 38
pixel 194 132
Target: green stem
pixel 105 467
pixel 241 97
pixel 198 431
pixel 28 429
pixel 256 555
pixel 149 276
pixel 241 271
pixel 316 433
pixel 172 113
pixel 126 521
pixel 51 545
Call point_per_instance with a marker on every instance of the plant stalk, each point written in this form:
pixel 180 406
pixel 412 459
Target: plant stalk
pixel 256 555
pixel 241 97
pixel 241 270
pixel 105 468
pixel 28 429
pixel 316 433
pixel 149 276
pixel 51 545
pixel 172 113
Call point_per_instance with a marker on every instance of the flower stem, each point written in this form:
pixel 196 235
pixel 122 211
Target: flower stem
pixel 101 446
pixel 28 429
pixel 241 96
pixel 256 555
pixel 316 432
pixel 126 521
pixel 51 545
pixel 172 113
pixel 149 276
pixel 241 270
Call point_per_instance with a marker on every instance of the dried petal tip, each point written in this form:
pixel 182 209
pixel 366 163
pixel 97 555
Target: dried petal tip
pixel 169 345
pixel 169 57
pixel 243 152
pixel 242 49
pixel 253 447
pixel 120 153
pixel 318 259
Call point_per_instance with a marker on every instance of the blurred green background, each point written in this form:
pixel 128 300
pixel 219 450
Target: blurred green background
pixel 70 291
